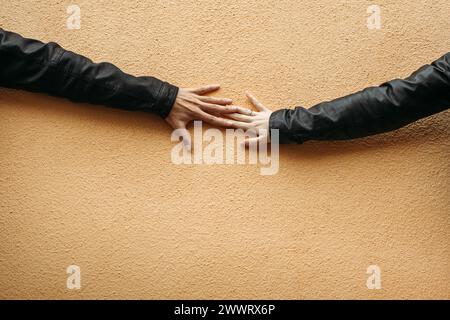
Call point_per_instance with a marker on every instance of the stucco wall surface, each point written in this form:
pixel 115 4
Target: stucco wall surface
pixel 95 187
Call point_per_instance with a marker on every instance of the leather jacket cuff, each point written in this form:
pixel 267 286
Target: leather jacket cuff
pixel 280 120
pixel 165 100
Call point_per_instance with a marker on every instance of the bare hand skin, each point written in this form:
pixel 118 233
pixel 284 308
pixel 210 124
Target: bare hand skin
pixel 253 120
pixel 194 104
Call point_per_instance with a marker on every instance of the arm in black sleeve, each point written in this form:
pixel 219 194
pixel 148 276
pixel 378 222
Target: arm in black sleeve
pixel 371 111
pixel 46 67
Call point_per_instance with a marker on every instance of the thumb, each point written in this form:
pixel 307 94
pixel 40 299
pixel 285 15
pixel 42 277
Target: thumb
pixel 186 138
pixel 180 127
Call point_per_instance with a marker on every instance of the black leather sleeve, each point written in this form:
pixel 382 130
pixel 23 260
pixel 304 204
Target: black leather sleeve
pixel 371 111
pixel 46 67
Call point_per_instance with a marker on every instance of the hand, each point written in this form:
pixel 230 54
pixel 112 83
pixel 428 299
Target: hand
pixel 193 104
pixel 253 120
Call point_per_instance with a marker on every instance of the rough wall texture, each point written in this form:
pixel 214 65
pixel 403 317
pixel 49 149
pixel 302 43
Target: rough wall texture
pixel 95 187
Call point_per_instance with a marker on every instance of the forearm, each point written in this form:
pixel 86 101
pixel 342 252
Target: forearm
pixel 371 111
pixel 46 67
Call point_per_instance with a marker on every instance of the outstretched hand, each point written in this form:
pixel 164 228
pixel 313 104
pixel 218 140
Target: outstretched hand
pixel 194 104
pixel 253 120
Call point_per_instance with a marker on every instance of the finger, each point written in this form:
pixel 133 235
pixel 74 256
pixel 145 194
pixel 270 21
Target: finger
pixel 217 109
pixel 240 125
pixel 246 111
pixel 217 121
pixel 239 117
pixel 205 89
pixel 228 109
pixel 213 100
pixel 255 102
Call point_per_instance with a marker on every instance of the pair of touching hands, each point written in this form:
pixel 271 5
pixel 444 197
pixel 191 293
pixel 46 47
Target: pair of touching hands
pixel 196 104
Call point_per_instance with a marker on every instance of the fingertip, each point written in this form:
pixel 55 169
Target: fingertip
pixel 211 88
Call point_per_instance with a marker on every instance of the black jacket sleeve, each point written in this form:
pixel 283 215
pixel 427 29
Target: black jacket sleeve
pixel 371 111
pixel 46 67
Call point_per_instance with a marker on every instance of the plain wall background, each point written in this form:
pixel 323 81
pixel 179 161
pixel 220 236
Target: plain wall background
pixel 95 187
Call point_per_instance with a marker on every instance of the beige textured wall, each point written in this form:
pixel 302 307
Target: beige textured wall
pixel 96 187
